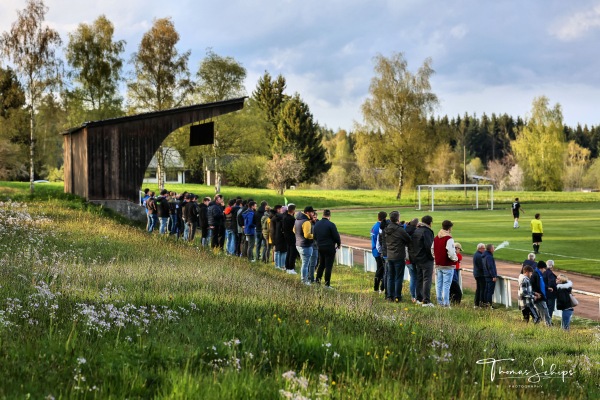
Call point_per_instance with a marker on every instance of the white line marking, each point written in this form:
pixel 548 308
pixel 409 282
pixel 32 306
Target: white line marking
pixel 552 254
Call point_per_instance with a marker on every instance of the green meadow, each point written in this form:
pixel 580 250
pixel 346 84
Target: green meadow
pixel 92 307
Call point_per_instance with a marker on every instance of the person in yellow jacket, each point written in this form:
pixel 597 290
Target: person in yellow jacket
pixel 537 231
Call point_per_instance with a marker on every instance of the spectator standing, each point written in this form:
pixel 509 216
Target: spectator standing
pixel 216 222
pixel 203 221
pixel 290 238
pixel 328 241
pixel 490 274
pixel 396 240
pixel 314 258
pixel 563 300
pixel 304 240
pixel 422 240
pixel 445 262
pixel 230 227
pixel 539 286
pixel 174 208
pixel 163 210
pixel 478 274
pixel 550 282
pixel 243 247
pixel 152 212
pixel 250 229
pixel 378 280
pixel 410 256
pixel 143 204
pixel 526 295
pixel 265 223
pixel 280 242
pixel 530 261
pixel 260 212
pixel 190 216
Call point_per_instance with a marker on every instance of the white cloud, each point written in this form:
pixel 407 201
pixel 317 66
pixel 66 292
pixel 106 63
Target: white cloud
pixel 459 31
pixel 578 24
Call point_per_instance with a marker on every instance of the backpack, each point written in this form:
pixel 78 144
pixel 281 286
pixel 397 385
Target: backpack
pixel 151 204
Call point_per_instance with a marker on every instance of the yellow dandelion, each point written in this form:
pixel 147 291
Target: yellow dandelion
pixel 259 320
pixel 413 333
pixel 274 315
pixel 332 383
pixel 388 352
pixel 405 309
pixel 307 322
pixel 400 323
pixel 279 320
pixel 368 353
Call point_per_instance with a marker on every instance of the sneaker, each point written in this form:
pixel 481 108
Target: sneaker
pixel 307 283
pixel 292 272
pixel 329 287
pixel 428 305
pixel 417 302
pixel 252 260
pixel 414 300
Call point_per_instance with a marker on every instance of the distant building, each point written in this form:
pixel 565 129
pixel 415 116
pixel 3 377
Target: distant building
pixel 174 167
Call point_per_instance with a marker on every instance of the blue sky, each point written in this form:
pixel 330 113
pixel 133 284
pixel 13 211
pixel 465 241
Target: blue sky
pixel 489 56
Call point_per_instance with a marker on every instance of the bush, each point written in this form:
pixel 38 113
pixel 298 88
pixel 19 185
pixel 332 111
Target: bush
pixel 248 171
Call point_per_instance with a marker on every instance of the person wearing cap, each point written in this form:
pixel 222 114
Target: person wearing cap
pixel 550 282
pixel 304 240
pixel 328 241
pixel 445 258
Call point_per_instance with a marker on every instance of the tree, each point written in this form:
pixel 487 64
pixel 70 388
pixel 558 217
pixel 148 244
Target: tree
pixel 283 170
pixel 269 97
pixel 540 146
pixel 220 78
pixel 297 133
pixel 577 161
pixel 95 58
pixel 162 78
pixel 31 48
pixel 398 107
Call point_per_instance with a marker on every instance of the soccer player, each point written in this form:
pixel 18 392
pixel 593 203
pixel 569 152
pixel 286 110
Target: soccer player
pixel 516 209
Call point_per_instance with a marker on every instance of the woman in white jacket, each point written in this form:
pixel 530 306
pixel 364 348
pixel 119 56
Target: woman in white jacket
pixel 563 299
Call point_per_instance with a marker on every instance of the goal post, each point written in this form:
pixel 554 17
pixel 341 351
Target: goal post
pixel 430 190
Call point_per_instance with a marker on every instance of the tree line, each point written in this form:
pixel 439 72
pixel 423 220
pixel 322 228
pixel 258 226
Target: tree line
pixel 274 140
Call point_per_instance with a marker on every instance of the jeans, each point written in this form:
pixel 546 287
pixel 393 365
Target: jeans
pixel 456 276
pixel 326 257
pixel 442 285
pixel 153 221
pixel 163 224
pixel 312 264
pixel 412 271
pixel 479 291
pixel 258 240
pixel 395 279
pixel 250 243
pixel 305 255
pixel 490 286
pixel 566 318
pixel 280 259
pixel 424 276
pixel 231 237
pixel 267 250
pixel 542 309
pixel 174 222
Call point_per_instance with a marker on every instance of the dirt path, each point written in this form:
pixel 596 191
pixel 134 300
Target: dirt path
pixel 589 306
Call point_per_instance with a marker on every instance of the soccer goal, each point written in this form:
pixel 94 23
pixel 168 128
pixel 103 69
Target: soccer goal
pixel 458 196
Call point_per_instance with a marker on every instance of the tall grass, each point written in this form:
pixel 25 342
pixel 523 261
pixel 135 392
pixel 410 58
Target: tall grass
pixel 93 308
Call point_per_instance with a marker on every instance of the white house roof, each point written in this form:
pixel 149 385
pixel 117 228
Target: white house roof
pixel 172 159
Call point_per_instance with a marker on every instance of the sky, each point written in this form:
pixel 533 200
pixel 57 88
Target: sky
pixel 488 56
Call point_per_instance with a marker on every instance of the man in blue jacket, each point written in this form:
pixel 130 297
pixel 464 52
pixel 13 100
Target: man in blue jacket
pixel 490 274
pixel 478 275
pixel 379 281
pixel 250 228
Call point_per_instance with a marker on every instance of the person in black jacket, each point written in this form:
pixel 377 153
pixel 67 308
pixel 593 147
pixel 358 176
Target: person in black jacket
pixel 162 207
pixel 203 221
pixel 190 216
pixel 479 275
pixel 550 282
pixel 216 222
pixel 290 239
pixel 422 240
pixel 279 238
pixel 259 241
pixel 396 240
pixel 328 241
pixel 563 299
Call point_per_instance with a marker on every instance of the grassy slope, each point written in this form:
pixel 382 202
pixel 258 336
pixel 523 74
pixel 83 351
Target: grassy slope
pixel 385 350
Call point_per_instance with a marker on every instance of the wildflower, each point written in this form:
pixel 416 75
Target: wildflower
pixel 259 320
pixel 81 360
pixel 368 353
pixel 288 376
pixel 332 383
pixel 413 332
pixel 335 355
pixel 307 322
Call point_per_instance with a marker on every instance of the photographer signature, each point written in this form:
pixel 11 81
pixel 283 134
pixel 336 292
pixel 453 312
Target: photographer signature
pixel 534 375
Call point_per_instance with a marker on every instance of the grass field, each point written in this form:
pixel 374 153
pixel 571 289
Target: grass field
pixel 571 231
pixel 91 307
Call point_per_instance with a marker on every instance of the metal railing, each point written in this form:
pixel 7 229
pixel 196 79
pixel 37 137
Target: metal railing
pixel 502 293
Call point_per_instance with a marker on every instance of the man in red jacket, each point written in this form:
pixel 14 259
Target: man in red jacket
pixel 445 257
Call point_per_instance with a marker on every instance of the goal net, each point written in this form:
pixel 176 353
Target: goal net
pixel 459 196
